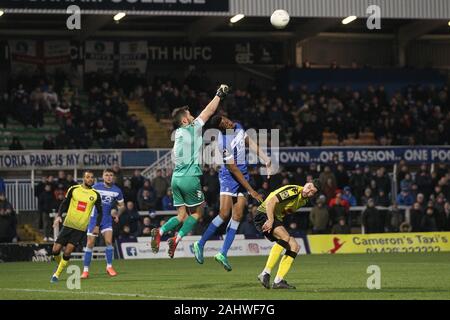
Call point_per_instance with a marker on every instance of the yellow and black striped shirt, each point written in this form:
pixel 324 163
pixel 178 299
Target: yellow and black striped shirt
pixel 290 200
pixel 78 203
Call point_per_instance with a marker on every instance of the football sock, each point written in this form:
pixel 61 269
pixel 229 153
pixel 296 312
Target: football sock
pixel 212 228
pixel 171 224
pixel 273 258
pixel 57 257
pixel 87 259
pixel 285 265
pixel 187 227
pixel 62 265
pixel 229 238
pixel 109 255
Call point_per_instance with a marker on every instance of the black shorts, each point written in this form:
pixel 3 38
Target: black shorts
pixel 70 235
pixel 259 221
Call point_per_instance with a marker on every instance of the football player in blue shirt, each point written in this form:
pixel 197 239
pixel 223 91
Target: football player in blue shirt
pixel 111 197
pixel 234 185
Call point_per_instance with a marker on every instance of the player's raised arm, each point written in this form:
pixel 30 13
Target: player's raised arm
pixel 211 108
pixel 260 153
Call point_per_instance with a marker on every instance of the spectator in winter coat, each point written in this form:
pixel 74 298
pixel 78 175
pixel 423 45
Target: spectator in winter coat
pixel 349 196
pixel 372 218
pixel 319 216
pixel 405 198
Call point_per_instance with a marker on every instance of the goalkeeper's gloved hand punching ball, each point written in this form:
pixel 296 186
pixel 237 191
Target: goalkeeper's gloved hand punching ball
pixel 222 92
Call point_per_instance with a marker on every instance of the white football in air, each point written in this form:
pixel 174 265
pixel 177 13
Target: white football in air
pixel 279 19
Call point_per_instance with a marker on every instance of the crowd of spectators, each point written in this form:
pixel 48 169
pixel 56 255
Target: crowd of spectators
pixel 425 190
pixel 415 115
pixel 104 122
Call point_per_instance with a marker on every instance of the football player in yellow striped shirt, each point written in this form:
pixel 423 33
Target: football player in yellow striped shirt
pixel 79 201
pixel 269 221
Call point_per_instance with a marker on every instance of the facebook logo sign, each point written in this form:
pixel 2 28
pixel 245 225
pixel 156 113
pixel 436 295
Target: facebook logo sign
pixel 131 251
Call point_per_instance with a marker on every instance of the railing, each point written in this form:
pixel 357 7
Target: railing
pixel 164 162
pixel 358 209
pixel 20 193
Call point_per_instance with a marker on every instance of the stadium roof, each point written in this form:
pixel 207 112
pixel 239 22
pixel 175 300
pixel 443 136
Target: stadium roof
pixel 399 9
pixel 194 28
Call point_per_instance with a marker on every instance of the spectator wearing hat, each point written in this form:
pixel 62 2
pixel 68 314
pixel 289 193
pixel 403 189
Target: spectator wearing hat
pixel 405 198
pixel 349 197
pixel 319 216
pixel 372 218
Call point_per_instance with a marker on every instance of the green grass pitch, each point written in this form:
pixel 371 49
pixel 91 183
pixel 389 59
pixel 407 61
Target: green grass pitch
pixel 403 276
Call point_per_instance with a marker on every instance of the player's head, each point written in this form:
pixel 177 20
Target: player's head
pixel 310 189
pixel 88 178
pixel 108 176
pixel 222 123
pixel 182 116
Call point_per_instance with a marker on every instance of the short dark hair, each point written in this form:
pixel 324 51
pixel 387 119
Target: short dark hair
pixel 108 170
pixel 215 121
pixel 88 171
pixel 178 114
pixel 317 185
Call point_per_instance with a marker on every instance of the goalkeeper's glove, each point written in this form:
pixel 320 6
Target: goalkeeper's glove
pixel 222 91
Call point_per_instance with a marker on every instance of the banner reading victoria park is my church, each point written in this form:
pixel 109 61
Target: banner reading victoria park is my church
pixel 60 159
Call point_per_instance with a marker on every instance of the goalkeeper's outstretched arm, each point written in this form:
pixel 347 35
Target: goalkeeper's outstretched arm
pixel 211 108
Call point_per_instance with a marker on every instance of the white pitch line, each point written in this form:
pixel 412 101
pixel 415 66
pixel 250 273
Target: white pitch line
pixel 101 293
